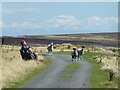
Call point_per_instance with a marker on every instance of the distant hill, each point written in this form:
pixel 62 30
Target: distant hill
pixel 104 39
pixel 109 36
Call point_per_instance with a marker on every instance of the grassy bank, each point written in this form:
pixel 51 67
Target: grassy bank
pixel 31 75
pixel 16 72
pixel 99 78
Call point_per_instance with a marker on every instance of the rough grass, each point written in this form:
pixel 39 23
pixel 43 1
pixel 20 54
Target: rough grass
pixel 99 74
pixel 69 70
pixel 66 76
pixel 32 74
pixel 73 66
pixel 100 78
pixel 14 69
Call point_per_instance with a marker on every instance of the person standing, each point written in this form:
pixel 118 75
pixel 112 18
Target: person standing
pixel 50 48
pixel 74 54
pixel 80 53
pixel 2 41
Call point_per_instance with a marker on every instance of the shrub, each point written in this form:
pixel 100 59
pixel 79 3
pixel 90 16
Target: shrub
pixel 69 47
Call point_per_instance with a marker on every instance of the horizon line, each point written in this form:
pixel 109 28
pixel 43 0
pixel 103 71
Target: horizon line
pixel 56 34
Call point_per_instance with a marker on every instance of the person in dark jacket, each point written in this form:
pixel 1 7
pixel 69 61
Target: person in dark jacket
pixel 26 53
pixel 24 45
pixel 80 53
pixel 74 54
pixel 50 48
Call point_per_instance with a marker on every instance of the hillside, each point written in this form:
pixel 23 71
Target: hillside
pixel 102 39
pixel 94 36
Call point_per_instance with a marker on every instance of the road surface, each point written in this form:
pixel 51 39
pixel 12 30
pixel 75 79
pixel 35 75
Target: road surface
pixel 52 77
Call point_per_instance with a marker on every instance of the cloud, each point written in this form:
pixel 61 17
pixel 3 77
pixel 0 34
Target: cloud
pixel 24 25
pixel 63 21
pixel 18 10
pixel 96 22
pixel 67 23
pixel 55 22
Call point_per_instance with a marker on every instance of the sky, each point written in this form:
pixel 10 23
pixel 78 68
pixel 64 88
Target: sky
pixel 41 18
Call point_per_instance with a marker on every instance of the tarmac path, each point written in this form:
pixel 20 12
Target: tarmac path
pixel 51 78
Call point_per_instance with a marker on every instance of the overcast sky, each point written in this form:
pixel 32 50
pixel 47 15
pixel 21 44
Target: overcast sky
pixel 38 18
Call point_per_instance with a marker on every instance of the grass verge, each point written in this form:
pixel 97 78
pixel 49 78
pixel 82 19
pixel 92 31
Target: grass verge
pixel 22 81
pixel 98 78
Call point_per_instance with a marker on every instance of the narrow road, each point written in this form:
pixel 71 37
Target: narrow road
pixel 52 77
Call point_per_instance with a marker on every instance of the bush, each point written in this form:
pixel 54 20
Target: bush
pixel 69 47
pixel 113 50
pixel 55 47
